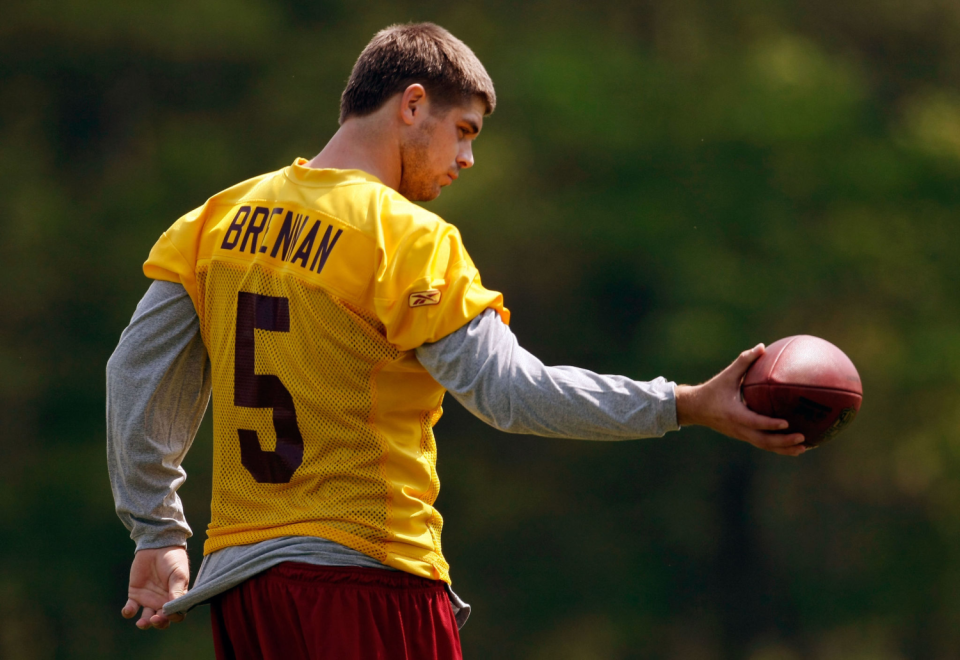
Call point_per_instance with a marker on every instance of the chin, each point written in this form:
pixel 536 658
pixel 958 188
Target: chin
pixel 425 195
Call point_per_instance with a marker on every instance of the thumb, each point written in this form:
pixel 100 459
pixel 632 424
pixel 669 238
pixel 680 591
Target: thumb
pixel 177 584
pixel 744 360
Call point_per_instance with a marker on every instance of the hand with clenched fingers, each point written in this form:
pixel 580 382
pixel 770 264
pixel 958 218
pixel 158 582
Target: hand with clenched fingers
pixel 157 576
pixel 718 405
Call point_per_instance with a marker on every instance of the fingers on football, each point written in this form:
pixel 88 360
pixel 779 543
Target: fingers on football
pixel 744 360
pixel 760 422
pixel 786 445
pixel 796 450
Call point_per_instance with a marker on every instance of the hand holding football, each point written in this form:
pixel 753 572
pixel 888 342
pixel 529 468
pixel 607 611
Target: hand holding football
pixel 807 381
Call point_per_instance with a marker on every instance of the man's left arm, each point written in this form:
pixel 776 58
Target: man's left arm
pixel 485 369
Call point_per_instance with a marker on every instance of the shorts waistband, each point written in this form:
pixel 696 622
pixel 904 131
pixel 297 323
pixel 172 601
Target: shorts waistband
pixel 351 575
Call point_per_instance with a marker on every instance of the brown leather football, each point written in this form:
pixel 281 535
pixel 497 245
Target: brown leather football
pixel 807 381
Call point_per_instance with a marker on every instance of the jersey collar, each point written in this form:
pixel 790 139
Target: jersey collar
pixel 310 176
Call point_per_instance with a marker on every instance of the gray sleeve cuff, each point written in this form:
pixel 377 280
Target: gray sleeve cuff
pixel 668 409
pixel 151 536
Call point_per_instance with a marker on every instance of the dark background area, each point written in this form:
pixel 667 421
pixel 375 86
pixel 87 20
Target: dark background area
pixel 662 186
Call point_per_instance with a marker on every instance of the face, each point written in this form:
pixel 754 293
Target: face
pixel 437 147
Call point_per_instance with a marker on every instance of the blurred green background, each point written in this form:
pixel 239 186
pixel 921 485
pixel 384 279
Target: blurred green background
pixel 663 185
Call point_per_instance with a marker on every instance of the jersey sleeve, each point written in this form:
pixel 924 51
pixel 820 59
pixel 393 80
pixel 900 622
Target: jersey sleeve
pixel 426 286
pixel 174 256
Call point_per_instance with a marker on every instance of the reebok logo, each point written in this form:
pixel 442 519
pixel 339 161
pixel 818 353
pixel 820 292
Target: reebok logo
pixel 424 298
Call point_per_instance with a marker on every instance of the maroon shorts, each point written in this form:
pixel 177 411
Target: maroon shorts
pixel 299 611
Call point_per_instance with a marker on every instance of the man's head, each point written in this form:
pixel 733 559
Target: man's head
pixel 435 89
pixel 423 53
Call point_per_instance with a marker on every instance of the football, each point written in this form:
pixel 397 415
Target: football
pixel 807 381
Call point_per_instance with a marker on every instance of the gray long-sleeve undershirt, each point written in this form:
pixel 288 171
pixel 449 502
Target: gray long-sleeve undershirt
pixel 159 384
pixel 484 367
pixel 158 388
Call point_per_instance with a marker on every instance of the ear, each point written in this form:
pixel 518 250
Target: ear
pixel 413 104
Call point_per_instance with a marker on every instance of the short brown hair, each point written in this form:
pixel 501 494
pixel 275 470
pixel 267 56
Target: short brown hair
pixel 424 53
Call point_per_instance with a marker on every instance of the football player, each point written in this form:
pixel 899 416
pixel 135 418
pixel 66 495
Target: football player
pixel 326 314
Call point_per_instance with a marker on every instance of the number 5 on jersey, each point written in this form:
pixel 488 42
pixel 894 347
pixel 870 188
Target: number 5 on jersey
pixel 252 390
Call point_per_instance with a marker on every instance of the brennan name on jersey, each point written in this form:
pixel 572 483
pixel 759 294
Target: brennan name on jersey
pixel 311 253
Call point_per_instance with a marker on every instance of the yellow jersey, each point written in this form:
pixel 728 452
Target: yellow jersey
pixel 313 288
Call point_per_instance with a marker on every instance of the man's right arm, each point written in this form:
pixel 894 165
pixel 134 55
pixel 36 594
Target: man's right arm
pixel 158 387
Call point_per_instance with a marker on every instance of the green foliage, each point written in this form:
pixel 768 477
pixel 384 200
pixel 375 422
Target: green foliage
pixel 660 187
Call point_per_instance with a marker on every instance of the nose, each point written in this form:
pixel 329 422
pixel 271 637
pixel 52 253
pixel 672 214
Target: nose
pixel 465 157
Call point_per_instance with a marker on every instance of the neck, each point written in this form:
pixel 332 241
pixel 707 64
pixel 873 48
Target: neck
pixel 363 144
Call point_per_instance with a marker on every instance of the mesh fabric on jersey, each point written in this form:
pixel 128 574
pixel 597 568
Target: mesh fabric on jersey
pixel 313 287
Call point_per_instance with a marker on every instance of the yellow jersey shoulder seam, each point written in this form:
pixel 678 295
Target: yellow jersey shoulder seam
pixel 179 253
